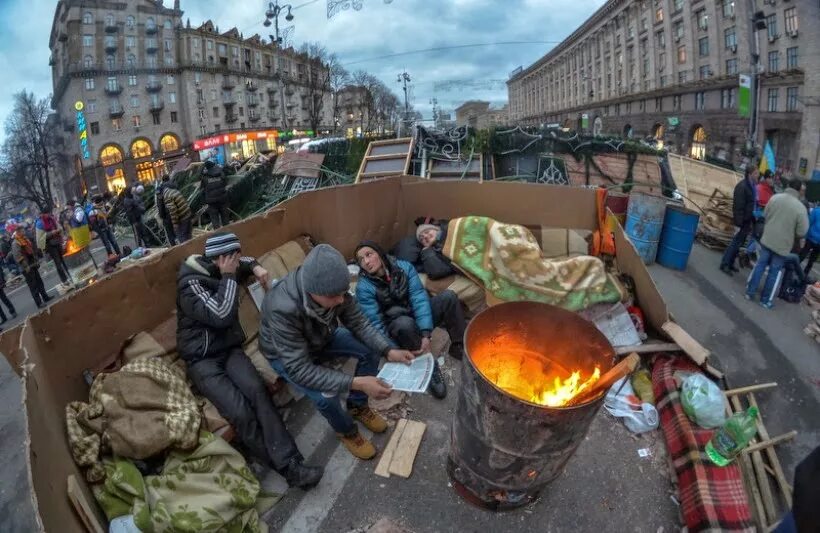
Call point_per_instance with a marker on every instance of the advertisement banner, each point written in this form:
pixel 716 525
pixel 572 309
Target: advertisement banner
pixel 215 153
pixel 744 97
pixel 227 138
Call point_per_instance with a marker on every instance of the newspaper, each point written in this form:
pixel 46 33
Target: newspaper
pixel 257 292
pixel 409 378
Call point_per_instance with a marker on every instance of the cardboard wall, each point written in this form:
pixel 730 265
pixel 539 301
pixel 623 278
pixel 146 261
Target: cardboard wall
pixel 697 180
pixel 78 332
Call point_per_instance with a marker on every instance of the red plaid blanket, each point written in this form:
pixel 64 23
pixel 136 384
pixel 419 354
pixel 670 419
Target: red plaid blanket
pixel 712 498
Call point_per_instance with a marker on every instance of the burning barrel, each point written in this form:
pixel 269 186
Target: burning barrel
pixel 518 419
pixel 80 263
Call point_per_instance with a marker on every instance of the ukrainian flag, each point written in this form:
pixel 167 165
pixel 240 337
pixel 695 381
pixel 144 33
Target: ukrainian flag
pixel 767 161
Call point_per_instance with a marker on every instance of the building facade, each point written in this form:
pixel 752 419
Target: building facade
pixel 479 115
pixel 669 69
pixel 134 89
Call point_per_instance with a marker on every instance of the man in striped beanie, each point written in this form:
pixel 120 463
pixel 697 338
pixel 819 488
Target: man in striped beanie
pixel 210 338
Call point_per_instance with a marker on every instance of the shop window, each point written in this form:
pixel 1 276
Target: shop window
pixel 110 155
pixel 698 150
pixel 145 172
pixel 115 179
pixel 169 143
pixel 140 148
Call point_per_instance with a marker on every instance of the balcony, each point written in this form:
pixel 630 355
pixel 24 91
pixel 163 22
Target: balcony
pixel 111 47
pixel 156 106
pixel 151 29
pixel 253 103
pixel 228 102
pixel 116 111
pixel 230 119
pixel 152 48
pixel 113 89
pixel 111 27
pixel 228 84
pixel 251 86
pixel 153 86
pixel 254 118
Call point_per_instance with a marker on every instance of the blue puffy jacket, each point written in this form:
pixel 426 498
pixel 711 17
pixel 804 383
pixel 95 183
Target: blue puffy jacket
pixel 814 226
pixel 419 302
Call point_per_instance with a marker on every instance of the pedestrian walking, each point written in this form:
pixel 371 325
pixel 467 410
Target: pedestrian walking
pixel 786 220
pixel 5 299
pixel 178 210
pixel 743 208
pixel 50 238
pixel 98 220
pixel 811 249
pixel 215 188
pixel 134 209
pixel 24 253
pixel 162 212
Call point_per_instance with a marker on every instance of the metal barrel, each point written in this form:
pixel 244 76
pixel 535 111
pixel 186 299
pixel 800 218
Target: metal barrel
pixel 618 202
pixel 680 226
pixel 505 450
pixel 644 220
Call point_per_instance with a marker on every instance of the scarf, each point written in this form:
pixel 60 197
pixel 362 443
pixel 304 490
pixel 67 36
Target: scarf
pixel 48 222
pixel 24 243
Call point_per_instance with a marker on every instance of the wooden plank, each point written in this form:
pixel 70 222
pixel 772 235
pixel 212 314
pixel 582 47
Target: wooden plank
pixel 762 479
pixel 383 468
pixel 748 473
pixel 688 344
pixel 87 510
pixel 405 452
pixel 768 443
pixel 364 162
pixel 625 367
pixel 750 388
pixel 778 474
pixel 648 348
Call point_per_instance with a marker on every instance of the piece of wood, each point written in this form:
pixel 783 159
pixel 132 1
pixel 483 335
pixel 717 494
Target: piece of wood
pixel 383 468
pixel 688 344
pixel 405 453
pixel 625 367
pixel 762 478
pixel 714 372
pixel 778 474
pixel 648 348
pixel 780 439
pixel 733 404
pixel 87 510
pixel 750 388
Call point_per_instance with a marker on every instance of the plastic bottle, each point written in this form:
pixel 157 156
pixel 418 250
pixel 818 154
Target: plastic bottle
pixel 730 439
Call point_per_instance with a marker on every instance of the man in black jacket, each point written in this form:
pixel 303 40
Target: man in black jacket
pixel 743 208
pixel 432 237
pixel 209 339
pixel 162 211
pixel 301 316
pixel 215 188
pixel 134 209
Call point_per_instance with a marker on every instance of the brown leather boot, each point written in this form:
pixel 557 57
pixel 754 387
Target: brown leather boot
pixel 370 418
pixel 358 445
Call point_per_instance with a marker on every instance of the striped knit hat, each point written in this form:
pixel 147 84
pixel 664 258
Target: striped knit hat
pixel 221 244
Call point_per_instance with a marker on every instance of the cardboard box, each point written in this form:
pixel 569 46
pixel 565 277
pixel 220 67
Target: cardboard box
pixel 80 331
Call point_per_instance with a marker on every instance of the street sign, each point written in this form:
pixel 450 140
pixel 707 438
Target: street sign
pixel 744 97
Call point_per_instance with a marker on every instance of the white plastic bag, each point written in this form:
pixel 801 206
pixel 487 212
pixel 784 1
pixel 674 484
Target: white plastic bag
pixel 703 401
pixel 638 417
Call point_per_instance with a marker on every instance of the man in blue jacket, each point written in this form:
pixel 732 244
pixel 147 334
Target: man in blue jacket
pixel 812 247
pixel 391 295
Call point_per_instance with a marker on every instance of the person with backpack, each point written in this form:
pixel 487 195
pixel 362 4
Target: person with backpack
pixel 25 254
pixel 134 209
pixel 98 220
pixel 179 212
pixel 50 239
pixel 162 212
pixel 215 189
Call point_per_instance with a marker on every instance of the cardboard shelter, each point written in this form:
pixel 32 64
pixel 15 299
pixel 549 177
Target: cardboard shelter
pixel 51 349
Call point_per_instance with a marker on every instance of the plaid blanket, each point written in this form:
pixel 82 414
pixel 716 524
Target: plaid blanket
pixel 507 261
pixel 712 498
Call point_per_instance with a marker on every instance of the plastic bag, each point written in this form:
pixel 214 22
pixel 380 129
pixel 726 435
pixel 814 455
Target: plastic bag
pixel 703 401
pixel 638 417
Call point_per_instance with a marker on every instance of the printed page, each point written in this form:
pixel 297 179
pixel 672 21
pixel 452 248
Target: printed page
pixel 409 378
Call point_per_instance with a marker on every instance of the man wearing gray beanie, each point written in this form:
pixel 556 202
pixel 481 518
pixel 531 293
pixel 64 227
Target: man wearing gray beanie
pixel 301 318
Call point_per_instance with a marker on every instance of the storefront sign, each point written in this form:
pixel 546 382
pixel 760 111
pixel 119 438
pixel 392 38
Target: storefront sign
pixel 82 129
pixel 211 142
pixel 584 121
pixel 744 97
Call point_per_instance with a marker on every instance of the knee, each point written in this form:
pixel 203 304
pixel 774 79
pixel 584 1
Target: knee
pixel 403 325
pixel 450 298
pixel 324 402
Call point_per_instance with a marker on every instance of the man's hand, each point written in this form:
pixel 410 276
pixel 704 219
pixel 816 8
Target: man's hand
pixel 372 386
pixel 227 264
pixel 262 276
pixel 400 356
pixel 425 346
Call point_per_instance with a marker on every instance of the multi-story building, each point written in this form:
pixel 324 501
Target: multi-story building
pixel 353 104
pixel 670 69
pixel 134 89
pixel 478 114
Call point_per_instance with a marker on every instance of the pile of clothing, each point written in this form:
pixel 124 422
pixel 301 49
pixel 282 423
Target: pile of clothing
pixel 812 298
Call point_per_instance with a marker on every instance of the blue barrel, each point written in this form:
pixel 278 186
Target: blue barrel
pixel 678 236
pixel 644 220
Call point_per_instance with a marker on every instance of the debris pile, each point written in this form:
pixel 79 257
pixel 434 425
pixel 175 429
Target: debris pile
pixel 812 299
pixel 717 225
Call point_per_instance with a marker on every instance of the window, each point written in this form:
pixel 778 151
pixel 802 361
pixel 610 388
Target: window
pixel 89 84
pixel 235 51
pixel 731 66
pixel 110 62
pixel 772 102
pixel 132 81
pixel 644 24
pixel 679 30
pixel 790 15
pixel 727 98
pixel 659 104
pixel 150 23
pixel 216 112
pixel 202 129
pixel 201 114
pixel 705 71
pixel 659 15
pixel 111 84
pixel 156 119
pixel 136 121
pixel 109 20
pixel 728 8
pixel 197 77
pixel 210 45
pixel 169 80
pixel 169 143
pixel 151 61
pixel 661 39
pixel 95 128
pixel 116 124
pixel 681 54
pixel 88 62
pixel 791 99
pixel 241 111
pixel 172 97
pixel 662 82
pixel 169 60
pixel 195 43
pixel 682 76
pixel 699 100
pixel 167 45
pixel 791 57
pixel 88 41
pixel 661 62
pixel 676 102
pixel 703 46
pixel 135 101
pixel 130 42
pixel 130 21
pixel 645 66
pixel 703 20
pixel 92 106
pixel 131 61
pixel 774 59
pixel 771 26
pixel 173 117
pixel 730 38
pixel 88 18
pixel 167 24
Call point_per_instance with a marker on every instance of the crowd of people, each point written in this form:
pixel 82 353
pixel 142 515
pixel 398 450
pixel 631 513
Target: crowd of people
pixel 778 235
pixel 308 318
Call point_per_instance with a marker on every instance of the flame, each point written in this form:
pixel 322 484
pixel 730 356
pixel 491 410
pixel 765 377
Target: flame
pixel 71 248
pixel 563 391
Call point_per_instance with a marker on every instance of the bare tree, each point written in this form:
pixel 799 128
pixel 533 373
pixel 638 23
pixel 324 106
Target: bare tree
pixel 322 72
pixel 339 79
pixel 28 158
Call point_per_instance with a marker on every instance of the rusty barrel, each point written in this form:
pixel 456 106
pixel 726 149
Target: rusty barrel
pixel 81 265
pixel 504 449
pixel 618 202
pixel 644 220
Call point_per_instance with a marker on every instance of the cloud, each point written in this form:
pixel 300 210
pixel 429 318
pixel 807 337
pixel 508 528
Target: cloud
pixel 362 37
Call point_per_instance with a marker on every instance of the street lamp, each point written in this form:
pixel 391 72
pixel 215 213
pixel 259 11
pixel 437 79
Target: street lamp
pixel 272 14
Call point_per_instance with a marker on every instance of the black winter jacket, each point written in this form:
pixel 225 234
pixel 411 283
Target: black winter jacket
pixel 743 203
pixel 208 308
pixel 215 186
pixel 162 211
pixel 436 264
pixel 134 208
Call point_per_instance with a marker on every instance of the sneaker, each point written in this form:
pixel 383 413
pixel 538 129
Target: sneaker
pixel 437 386
pixel 767 305
pixel 748 297
pixel 302 476
pixel 726 270
pixel 358 445
pixel 370 418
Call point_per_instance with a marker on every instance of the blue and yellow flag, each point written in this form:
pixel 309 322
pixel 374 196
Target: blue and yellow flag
pixel 767 161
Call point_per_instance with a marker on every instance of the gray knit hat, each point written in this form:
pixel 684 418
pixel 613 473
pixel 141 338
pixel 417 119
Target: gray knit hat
pixel 424 227
pixel 221 244
pixel 324 272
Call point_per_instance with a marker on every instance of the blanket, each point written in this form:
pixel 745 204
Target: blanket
pixel 507 261
pixel 137 412
pixel 712 498
pixel 208 489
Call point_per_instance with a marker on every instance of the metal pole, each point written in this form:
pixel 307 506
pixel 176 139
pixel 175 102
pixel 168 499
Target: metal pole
pixel 754 67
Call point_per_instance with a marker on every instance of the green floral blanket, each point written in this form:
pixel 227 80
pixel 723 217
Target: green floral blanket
pixel 207 489
pixel 507 261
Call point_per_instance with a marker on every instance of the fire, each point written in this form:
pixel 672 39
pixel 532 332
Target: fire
pixel 71 248
pixel 563 391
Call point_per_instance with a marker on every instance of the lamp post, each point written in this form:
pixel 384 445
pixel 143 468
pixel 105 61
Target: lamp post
pixel 272 14
pixel 404 78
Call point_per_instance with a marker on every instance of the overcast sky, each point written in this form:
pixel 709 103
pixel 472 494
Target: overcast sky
pixel 359 38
